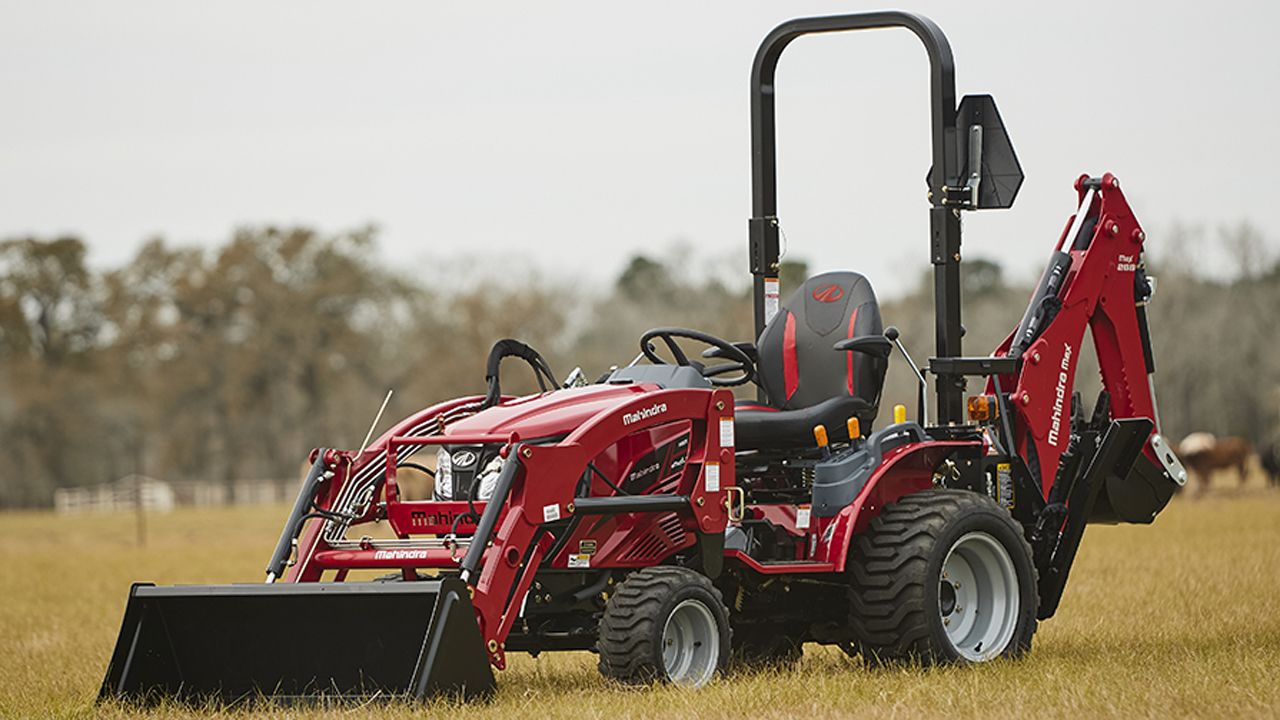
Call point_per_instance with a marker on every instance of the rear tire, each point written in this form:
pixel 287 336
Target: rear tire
pixel 942 576
pixel 665 624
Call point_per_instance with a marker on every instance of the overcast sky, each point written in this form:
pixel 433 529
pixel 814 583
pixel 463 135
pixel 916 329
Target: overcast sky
pixel 573 135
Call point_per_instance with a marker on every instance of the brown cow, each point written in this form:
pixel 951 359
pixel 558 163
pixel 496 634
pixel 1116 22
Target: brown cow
pixel 1270 458
pixel 1202 453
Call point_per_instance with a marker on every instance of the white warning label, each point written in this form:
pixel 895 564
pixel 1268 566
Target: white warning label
pixel 770 298
pixel 711 477
pixel 726 432
pixel 802 517
pixel 550 513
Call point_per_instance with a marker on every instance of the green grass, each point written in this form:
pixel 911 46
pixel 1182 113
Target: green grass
pixel 1181 618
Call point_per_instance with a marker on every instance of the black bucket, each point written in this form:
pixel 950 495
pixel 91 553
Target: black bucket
pixel 232 643
pixel 1134 496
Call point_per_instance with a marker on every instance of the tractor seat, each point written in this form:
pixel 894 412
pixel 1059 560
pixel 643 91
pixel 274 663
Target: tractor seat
pixel 806 382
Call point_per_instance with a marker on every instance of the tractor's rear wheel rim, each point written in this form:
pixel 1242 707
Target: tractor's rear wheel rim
pixel 979 597
pixel 690 644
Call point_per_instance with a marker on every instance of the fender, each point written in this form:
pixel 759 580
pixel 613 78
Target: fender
pixel 904 470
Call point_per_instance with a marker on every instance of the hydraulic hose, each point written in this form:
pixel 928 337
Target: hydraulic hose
pixel 1044 304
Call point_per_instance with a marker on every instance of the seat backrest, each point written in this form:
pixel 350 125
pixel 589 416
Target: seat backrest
pixel 798 366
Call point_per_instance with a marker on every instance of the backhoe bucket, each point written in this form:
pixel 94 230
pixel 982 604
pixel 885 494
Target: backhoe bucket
pixel 231 643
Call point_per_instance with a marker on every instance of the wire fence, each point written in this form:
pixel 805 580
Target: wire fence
pixel 132 491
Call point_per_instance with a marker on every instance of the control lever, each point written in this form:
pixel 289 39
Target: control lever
pixel 892 333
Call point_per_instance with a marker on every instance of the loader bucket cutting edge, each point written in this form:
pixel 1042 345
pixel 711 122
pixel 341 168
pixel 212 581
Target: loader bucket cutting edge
pixel 232 643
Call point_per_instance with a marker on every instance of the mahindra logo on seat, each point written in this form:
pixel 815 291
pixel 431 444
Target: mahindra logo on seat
pixel 828 293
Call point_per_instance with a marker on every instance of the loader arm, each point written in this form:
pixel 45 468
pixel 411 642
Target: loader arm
pixel 499 553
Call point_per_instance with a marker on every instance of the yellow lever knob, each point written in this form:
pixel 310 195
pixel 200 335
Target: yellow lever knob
pixel 820 434
pixel 855 429
pixel 899 413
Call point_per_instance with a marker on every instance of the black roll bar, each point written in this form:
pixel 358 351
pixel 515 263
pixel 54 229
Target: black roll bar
pixel 944 222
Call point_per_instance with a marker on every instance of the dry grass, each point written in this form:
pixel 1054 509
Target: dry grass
pixel 1178 619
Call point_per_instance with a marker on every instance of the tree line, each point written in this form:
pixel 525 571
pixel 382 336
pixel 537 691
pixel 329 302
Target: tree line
pixel 230 363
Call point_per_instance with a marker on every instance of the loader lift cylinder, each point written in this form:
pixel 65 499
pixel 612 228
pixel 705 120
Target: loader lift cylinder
pixel 284 546
pixel 944 222
pixel 489 518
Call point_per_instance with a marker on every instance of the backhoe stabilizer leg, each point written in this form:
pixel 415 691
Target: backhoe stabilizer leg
pixel 1114 459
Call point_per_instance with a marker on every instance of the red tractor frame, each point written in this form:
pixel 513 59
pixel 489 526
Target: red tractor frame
pixel 656 520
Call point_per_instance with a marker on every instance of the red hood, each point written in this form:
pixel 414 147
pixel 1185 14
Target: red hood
pixel 554 413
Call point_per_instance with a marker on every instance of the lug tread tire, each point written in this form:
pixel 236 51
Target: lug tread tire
pixel 891 611
pixel 630 639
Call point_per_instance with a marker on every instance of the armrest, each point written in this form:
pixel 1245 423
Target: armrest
pixel 874 345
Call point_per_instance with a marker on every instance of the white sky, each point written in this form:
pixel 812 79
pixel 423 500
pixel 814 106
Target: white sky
pixel 573 135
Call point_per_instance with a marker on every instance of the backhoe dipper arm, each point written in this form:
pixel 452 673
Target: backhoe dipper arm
pixel 1096 279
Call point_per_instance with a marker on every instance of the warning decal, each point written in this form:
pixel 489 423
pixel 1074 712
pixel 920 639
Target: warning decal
pixel 711 477
pixel 726 432
pixel 770 298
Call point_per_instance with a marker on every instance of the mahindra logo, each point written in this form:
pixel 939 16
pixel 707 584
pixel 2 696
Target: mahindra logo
pixel 421 518
pixel 644 413
pixel 463 458
pixel 642 472
pixel 400 555
pixel 1060 396
pixel 828 293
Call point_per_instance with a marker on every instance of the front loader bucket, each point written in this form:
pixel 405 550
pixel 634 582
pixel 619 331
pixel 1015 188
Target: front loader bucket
pixel 231 643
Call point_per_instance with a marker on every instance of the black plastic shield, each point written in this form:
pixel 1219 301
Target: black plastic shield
pixel 232 643
pixel 1001 173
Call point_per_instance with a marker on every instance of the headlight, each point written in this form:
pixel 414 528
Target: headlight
pixel 489 477
pixel 444 475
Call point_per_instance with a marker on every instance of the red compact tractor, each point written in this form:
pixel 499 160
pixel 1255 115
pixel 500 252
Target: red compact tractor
pixel 651 518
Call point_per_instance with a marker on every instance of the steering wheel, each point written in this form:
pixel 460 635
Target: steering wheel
pixel 739 362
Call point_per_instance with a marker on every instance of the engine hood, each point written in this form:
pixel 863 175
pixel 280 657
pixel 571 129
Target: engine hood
pixel 554 413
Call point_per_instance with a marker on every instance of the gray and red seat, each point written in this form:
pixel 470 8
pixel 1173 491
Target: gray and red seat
pixel 806 382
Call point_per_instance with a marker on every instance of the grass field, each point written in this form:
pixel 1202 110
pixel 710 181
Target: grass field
pixel 1178 619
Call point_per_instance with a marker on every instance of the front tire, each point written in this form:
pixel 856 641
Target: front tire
pixel 942 576
pixel 665 624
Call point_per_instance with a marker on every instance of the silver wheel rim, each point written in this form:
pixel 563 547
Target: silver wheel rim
pixel 978 597
pixel 690 644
